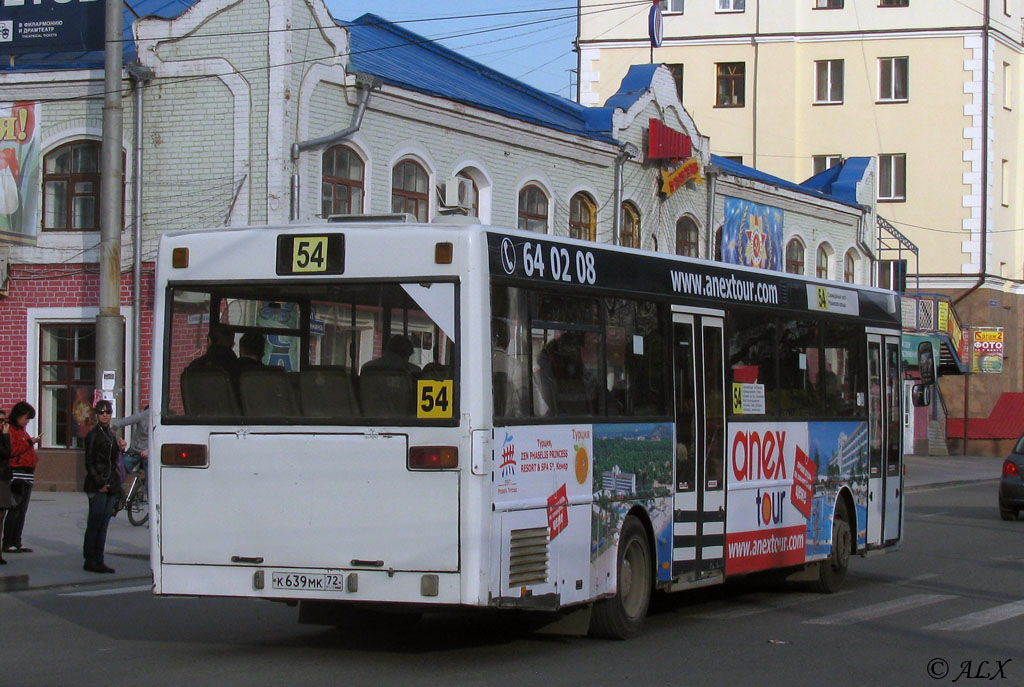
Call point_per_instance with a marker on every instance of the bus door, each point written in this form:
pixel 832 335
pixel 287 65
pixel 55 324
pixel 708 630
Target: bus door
pixel 885 465
pixel 699 502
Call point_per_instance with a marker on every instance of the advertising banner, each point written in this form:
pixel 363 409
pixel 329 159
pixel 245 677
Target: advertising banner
pixel 783 480
pixel 988 350
pixel 752 235
pixel 47 26
pixel 19 168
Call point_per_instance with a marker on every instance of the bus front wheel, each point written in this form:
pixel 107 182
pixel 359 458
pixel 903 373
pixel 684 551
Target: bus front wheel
pixel 622 615
pixel 832 570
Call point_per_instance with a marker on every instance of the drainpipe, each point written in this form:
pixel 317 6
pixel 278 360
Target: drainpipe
pixel 365 84
pixel 627 151
pixel 983 267
pixel 711 172
pixel 139 74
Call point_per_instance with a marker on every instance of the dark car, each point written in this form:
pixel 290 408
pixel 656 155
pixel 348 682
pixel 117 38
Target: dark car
pixel 1011 486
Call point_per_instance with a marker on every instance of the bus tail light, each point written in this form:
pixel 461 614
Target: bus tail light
pixel 183 455
pixel 1010 468
pixel 433 457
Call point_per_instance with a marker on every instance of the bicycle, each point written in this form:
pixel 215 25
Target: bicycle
pixel 136 499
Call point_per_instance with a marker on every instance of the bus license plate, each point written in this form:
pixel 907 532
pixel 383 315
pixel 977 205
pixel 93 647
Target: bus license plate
pixel 328 582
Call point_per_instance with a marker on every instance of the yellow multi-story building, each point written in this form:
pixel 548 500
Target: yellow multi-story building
pixel 932 89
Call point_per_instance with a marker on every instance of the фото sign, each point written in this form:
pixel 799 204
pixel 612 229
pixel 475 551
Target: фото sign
pixel 44 26
pixel 988 350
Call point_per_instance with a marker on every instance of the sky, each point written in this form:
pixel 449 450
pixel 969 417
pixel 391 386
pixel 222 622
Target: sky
pixel 529 40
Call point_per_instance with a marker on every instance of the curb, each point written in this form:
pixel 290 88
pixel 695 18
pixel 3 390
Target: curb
pixel 13 583
pixel 20 583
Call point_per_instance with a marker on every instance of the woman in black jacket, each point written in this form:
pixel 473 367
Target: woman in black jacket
pixel 102 486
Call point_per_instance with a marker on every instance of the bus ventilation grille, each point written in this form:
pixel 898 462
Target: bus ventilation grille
pixel 528 557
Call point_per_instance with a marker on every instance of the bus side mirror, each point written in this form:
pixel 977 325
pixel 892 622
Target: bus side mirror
pixel 926 362
pixel 922 395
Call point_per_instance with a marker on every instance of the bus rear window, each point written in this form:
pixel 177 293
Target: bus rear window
pixel 318 353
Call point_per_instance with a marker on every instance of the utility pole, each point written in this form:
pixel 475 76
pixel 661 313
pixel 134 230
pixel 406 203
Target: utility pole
pixel 109 323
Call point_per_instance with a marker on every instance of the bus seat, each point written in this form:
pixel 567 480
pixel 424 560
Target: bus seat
pixel 571 397
pixel 386 393
pixel 207 391
pixel 327 392
pixel 267 392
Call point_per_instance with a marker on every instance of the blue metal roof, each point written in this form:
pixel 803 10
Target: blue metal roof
pixel 846 196
pixel 133 9
pixel 402 58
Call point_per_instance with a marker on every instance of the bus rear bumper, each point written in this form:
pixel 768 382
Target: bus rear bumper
pixel 286 584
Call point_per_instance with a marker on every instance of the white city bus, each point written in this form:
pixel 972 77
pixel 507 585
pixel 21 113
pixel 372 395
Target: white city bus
pixel 458 415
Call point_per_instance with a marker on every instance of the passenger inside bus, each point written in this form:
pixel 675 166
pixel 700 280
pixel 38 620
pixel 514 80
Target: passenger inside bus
pixel 387 385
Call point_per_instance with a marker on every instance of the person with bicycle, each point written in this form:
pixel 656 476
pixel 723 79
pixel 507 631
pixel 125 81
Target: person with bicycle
pixel 137 453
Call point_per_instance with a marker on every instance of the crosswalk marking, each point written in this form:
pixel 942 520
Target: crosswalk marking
pixel 972 621
pixel 762 603
pixel 880 610
pixel 112 592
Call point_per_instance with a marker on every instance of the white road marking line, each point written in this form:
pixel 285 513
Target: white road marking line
pixel 972 621
pixel 762 603
pixel 112 592
pixel 880 610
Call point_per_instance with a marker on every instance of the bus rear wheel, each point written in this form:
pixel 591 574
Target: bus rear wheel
pixel 832 570
pixel 621 616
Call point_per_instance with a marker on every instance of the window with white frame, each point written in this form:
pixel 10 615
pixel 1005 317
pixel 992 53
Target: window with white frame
pixel 795 257
pixel 822 162
pixel 892 177
pixel 533 209
pixel 671 6
pixel 893 77
pixel 409 183
pixel 731 84
pixel 67 378
pixel 828 81
pixel 850 266
pixel 732 5
pixel 341 186
pixel 821 266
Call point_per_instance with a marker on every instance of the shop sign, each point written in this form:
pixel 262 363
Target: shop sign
pixel 988 350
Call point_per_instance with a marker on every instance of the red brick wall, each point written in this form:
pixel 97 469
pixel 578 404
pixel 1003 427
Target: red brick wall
pixel 60 286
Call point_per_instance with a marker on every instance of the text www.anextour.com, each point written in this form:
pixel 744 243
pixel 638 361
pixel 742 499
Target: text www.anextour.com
pixel 729 288
pixel 759 547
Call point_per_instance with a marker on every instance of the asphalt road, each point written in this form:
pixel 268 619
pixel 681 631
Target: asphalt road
pixel 952 600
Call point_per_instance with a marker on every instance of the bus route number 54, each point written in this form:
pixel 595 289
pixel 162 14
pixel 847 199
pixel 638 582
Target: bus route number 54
pixel 434 398
pixel 559 264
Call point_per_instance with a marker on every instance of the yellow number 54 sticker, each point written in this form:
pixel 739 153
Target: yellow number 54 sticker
pixel 434 398
pixel 309 254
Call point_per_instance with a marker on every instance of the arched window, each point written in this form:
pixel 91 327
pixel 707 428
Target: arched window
pixel 409 183
pixel 533 209
pixel 582 217
pixel 850 266
pixel 687 237
pixel 629 235
pixel 474 199
pixel 71 187
pixel 795 257
pixel 342 183
pixel 821 268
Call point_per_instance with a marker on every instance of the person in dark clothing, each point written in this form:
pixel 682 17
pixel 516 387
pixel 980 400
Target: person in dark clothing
pixel 7 500
pixel 250 348
pixel 395 357
pixel 220 343
pixel 23 474
pixel 102 486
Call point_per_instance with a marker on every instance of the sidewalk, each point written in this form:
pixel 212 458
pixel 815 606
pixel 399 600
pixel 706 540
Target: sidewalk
pixel 56 525
pixel 54 530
